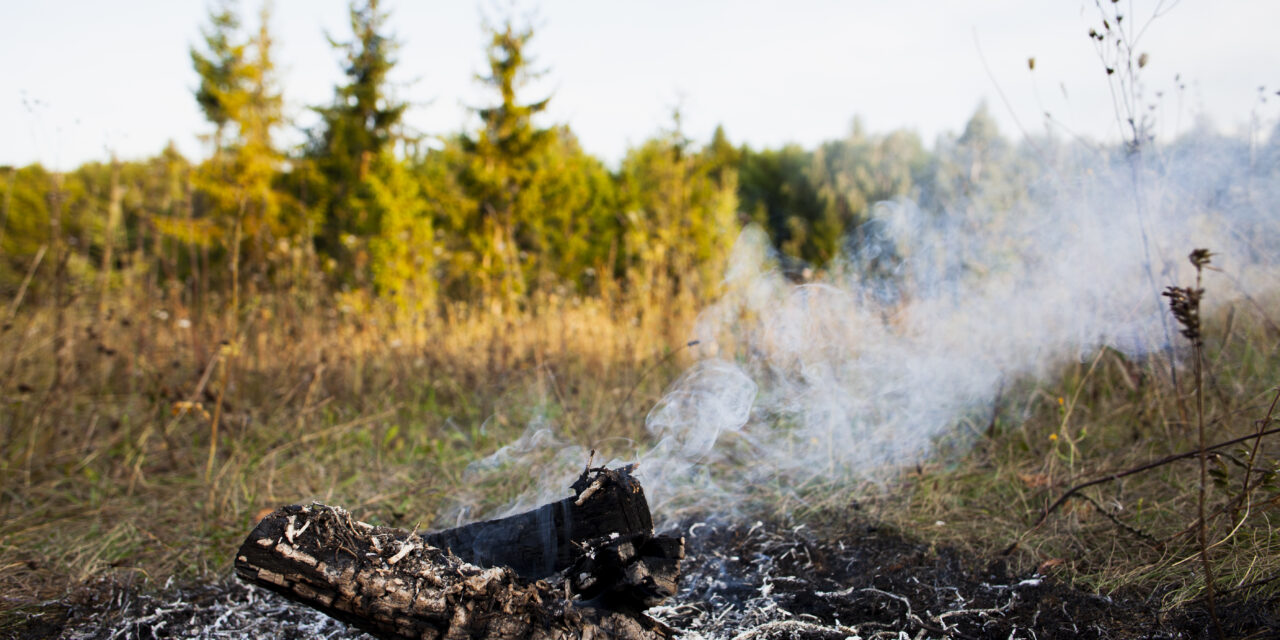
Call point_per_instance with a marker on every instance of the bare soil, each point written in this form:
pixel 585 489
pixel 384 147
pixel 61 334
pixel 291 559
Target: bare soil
pixel 744 580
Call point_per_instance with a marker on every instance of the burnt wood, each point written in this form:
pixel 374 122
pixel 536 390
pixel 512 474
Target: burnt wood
pixel 400 584
pixel 546 540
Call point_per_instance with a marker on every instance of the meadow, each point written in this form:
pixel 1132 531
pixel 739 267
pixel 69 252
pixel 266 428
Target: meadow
pixel 1053 355
pixel 145 438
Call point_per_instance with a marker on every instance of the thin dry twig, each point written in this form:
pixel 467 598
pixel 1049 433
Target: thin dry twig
pixel 1144 467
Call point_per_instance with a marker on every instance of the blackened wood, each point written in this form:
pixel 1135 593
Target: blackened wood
pixel 546 540
pixel 400 584
pixel 628 573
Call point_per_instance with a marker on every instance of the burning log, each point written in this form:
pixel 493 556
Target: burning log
pixel 483 580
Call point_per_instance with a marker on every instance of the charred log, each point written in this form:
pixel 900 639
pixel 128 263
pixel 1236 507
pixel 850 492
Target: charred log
pixel 546 540
pixel 400 584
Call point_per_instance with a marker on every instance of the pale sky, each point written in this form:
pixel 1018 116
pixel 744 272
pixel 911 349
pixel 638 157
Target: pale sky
pixel 85 77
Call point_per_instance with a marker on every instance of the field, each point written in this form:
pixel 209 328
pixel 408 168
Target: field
pixel 975 387
pixel 145 438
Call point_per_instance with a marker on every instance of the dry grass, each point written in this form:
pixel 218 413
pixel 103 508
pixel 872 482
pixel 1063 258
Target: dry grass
pixel 108 422
pixel 1102 416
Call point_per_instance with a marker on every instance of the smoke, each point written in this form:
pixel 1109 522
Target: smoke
pixel 935 308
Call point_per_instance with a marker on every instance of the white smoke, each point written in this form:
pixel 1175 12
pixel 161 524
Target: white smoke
pixel 919 326
pixel 861 373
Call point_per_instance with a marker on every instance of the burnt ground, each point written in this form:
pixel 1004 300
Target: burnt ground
pixel 760 581
pixel 748 581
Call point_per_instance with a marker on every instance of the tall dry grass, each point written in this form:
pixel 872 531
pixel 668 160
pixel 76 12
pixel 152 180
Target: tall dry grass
pixel 1106 415
pixel 112 412
pixel 143 438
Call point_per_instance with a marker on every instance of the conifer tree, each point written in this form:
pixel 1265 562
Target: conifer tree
pixel 502 167
pixel 403 252
pixel 567 218
pixel 681 216
pixel 356 130
pixel 777 192
pixel 240 97
pixel 850 176
pixel 218 66
pixel 973 167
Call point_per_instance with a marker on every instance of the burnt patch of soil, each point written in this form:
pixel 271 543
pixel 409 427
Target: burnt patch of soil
pixel 745 581
pixel 760 581
pixel 109 610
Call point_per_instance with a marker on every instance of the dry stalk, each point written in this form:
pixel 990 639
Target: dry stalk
pixel 230 348
pixel 1253 452
pixel 1141 468
pixel 1184 303
pixel 26 282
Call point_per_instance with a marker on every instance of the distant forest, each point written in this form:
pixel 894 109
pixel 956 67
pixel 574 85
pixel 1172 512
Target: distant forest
pixel 499 215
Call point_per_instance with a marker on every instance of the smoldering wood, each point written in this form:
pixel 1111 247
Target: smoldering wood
pixel 401 584
pixel 544 541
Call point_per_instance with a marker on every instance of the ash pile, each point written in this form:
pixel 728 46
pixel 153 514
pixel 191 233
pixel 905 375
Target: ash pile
pixel 841 580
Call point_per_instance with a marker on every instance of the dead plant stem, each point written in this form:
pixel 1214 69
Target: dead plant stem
pixel 1197 344
pixel 26 281
pixel 1203 531
pixel 229 347
pixel 1145 467
pixel 1257 443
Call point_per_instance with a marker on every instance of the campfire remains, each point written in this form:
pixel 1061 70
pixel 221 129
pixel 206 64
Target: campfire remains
pixel 587 565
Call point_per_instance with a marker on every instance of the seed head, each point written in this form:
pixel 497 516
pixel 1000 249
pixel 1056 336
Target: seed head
pixel 1184 303
pixel 1199 258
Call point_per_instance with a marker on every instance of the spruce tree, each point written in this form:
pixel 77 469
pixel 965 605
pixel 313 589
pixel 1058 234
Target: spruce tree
pixel 503 166
pixel 681 216
pixel 218 66
pixel 355 131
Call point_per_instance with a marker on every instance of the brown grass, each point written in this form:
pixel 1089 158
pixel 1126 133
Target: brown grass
pixel 104 468
pixel 339 400
pixel 1105 415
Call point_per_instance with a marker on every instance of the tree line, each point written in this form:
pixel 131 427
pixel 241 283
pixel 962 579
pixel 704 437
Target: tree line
pixel 495 215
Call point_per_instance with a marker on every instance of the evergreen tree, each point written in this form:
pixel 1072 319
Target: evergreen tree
pixel 776 192
pixel 853 174
pixel 503 166
pixel 356 131
pixel 975 168
pixel 402 253
pixel 219 66
pixel 681 217
pixel 723 157
pixel 567 218
pixel 239 96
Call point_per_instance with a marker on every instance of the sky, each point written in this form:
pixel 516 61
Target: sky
pixel 85 79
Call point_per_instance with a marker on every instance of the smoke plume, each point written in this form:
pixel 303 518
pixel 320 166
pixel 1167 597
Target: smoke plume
pixel 934 307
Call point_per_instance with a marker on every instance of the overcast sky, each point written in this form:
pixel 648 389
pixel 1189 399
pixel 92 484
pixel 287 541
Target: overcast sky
pixel 84 77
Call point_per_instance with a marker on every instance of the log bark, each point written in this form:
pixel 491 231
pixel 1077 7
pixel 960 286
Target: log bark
pixel 400 584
